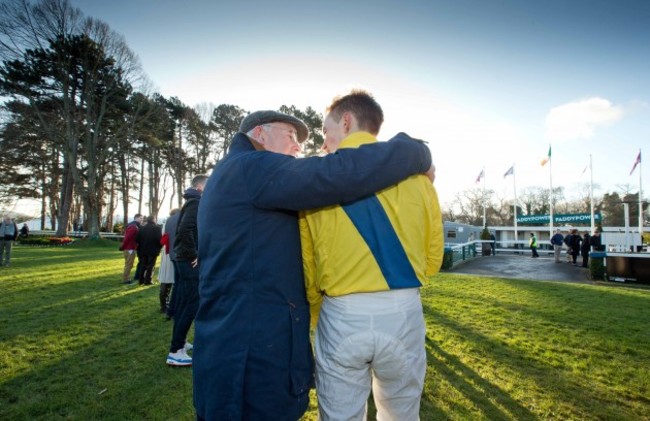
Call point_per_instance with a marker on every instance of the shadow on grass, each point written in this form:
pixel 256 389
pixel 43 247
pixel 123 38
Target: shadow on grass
pixel 570 305
pixel 108 362
pixel 475 388
pixel 34 257
pixel 565 391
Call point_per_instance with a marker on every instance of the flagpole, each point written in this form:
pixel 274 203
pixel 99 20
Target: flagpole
pixel 640 198
pixel 484 219
pixel 591 192
pixel 514 186
pixel 550 174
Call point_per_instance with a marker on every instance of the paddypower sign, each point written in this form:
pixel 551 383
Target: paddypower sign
pixel 569 218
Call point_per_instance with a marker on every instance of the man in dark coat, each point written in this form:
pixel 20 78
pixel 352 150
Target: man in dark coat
pixel 585 249
pixel 252 354
pixel 596 241
pixel 576 245
pixel 187 264
pixel 148 239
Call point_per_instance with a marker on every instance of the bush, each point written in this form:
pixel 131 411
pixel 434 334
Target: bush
pixel 597 268
pixel 60 241
pixel 45 241
pixel 447 259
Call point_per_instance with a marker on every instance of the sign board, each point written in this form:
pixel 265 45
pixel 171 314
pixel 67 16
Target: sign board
pixel 566 219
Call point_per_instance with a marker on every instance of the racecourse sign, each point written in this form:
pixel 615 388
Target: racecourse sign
pixel 570 218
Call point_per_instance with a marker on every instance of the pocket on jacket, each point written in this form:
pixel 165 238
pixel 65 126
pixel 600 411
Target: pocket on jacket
pixel 302 358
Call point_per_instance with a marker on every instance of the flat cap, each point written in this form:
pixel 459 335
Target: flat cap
pixel 259 118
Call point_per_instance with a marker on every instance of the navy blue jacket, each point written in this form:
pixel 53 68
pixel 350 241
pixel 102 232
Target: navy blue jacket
pixel 252 355
pixel 186 238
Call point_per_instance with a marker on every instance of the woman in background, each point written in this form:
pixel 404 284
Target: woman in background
pixel 166 270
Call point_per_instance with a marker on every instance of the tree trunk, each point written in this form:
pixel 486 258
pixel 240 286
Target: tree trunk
pixel 111 204
pixel 66 203
pixel 124 187
pixel 43 197
pixel 141 186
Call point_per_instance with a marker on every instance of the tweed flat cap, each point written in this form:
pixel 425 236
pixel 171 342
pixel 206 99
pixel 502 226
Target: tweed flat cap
pixel 259 118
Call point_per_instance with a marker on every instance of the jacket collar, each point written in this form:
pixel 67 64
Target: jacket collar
pixel 357 139
pixel 242 143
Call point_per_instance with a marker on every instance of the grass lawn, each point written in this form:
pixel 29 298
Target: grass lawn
pixel 77 344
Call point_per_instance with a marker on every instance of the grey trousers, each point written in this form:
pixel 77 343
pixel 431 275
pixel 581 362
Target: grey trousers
pixel 5 251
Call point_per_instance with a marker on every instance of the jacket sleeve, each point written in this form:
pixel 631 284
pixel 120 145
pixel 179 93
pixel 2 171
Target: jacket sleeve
pixel 185 244
pixel 164 241
pixel 436 245
pixel 15 231
pixel 278 181
pixel 314 295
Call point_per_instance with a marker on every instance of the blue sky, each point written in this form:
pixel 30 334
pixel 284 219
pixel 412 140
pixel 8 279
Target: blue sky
pixel 487 83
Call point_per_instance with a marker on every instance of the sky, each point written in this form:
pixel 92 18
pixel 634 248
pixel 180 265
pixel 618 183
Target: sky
pixel 489 84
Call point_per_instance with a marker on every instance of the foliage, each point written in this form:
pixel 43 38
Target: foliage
pixel 225 122
pixel 71 75
pixel 485 234
pixel 118 228
pixel 34 240
pixel 447 259
pixel 314 122
pixel 597 268
pixel 613 209
pixel 60 241
pixel 496 348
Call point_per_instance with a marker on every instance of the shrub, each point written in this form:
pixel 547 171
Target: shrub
pixel 33 240
pixel 60 241
pixel 447 259
pixel 597 267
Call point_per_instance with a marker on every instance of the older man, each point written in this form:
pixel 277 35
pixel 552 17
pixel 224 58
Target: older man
pixel 364 263
pixel 8 234
pixel 252 357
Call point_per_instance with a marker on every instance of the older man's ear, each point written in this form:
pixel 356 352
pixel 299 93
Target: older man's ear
pixel 431 173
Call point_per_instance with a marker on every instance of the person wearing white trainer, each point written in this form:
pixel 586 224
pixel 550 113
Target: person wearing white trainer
pixel 187 263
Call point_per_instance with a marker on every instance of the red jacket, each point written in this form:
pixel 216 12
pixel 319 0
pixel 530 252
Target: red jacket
pixel 129 242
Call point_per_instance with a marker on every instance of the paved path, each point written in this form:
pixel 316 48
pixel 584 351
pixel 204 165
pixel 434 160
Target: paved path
pixel 525 267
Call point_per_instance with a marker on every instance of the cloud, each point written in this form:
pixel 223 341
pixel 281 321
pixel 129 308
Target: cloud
pixel 579 120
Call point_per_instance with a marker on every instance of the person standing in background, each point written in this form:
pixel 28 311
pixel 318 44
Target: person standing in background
pixel 148 239
pixel 586 247
pixel 557 240
pixel 187 262
pixel 167 272
pixel 596 241
pixel 8 234
pixel 129 246
pixel 24 231
pixel 533 244
pixel 576 243
pixel 493 243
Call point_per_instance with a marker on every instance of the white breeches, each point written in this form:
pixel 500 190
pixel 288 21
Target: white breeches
pixel 371 340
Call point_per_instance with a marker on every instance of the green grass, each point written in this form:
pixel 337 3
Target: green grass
pixel 77 344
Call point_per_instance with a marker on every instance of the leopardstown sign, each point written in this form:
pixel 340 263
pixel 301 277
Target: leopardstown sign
pixel 569 218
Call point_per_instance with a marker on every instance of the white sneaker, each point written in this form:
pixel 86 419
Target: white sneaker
pixel 179 358
pixel 188 346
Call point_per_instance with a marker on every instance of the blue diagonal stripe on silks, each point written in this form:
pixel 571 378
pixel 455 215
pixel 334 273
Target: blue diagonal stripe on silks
pixel 370 219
